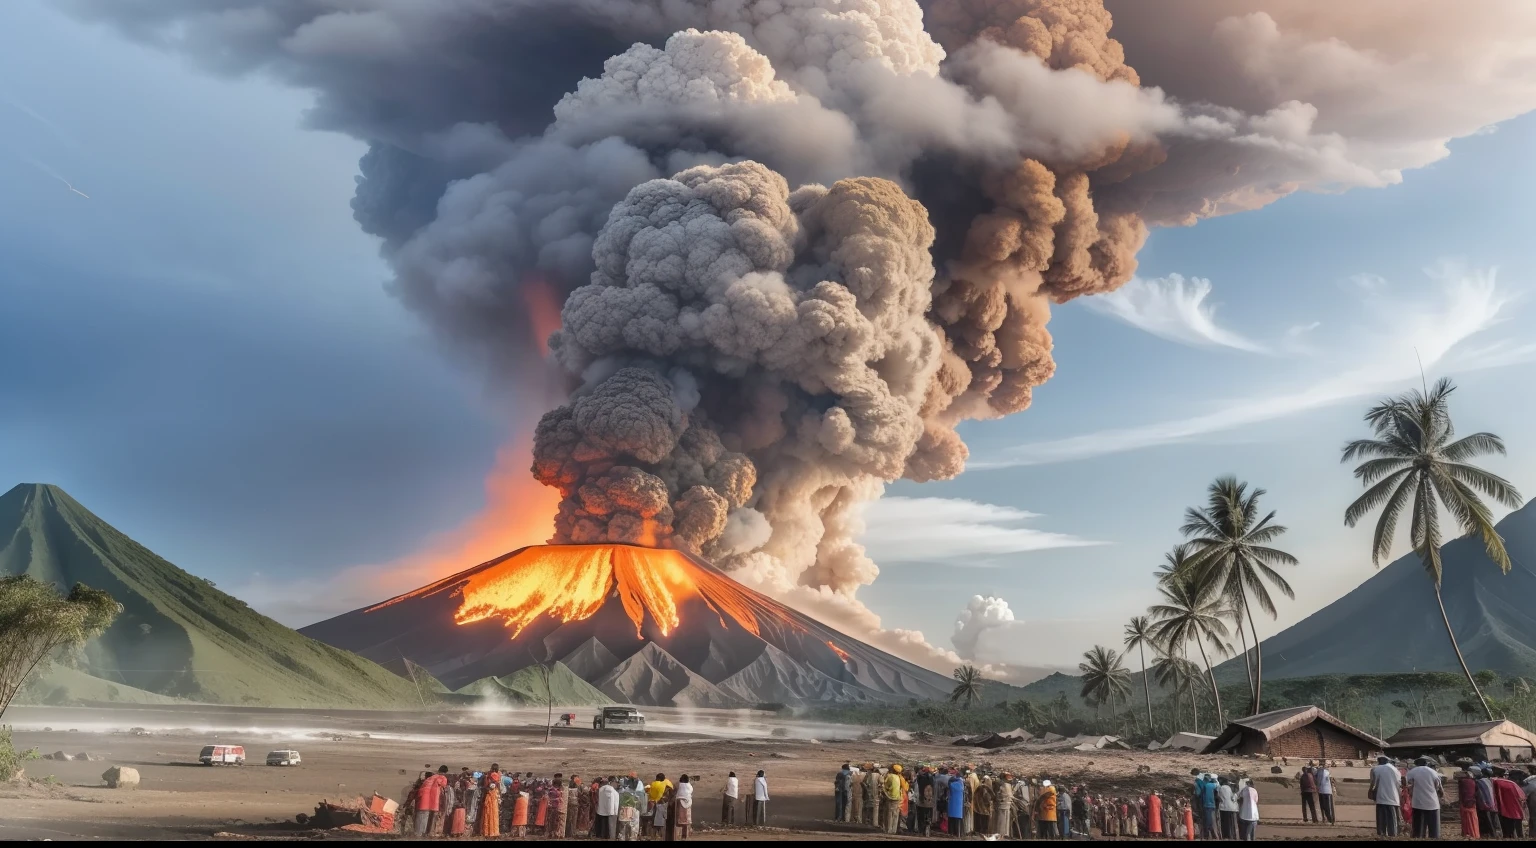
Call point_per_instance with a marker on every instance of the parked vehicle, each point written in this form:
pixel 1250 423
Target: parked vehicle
pixel 619 718
pixel 283 758
pixel 222 755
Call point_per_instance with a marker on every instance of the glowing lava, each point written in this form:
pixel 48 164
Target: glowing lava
pixel 839 651
pixel 572 582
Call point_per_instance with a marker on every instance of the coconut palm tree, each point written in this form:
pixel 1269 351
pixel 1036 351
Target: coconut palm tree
pixel 1138 634
pixel 1106 680
pixel 1192 611
pixel 967 685
pixel 1177 674
pixel 1179 561
pixel 1413 463
pixel 1229 543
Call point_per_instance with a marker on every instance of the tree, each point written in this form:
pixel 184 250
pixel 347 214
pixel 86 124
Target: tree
pixel 1192 611
pixel 542 663
pixel 967 685
pixel 1412 463
pixel 1230 547
pixel 1028 714
pixel 1178 674
pixel 1106 680
pixel 36 622
pixel 1138 634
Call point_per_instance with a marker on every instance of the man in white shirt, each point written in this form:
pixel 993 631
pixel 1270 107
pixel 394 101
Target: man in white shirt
pixel 608 810
pixel 1325 792
pixel 1226 805
pixel 1385 782
pixel 728 803
pixel 1426 791
pixel 1247 812
pixel 760 799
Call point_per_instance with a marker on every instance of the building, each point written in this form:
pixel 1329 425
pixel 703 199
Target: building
pixel 1494 741
pixel 1300 732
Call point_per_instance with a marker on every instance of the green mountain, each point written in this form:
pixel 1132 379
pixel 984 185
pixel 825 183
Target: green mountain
pixel 526 686
pixel 178 635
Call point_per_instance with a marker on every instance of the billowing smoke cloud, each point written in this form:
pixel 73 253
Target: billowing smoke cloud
pixel 984 618
pixel 802 242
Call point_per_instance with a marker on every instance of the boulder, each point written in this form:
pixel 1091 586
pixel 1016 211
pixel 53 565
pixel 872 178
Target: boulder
pixel 88 758
pixel 121 777
pixel 58 755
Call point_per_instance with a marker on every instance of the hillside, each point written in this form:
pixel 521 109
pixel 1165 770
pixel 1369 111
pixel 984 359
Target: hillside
pixel 1391 624
pixel 178 635
pixel 526 686
pixel 643 626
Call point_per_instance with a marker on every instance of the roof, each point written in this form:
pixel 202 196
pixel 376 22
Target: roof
pixel 1277 723
pixel 1477 733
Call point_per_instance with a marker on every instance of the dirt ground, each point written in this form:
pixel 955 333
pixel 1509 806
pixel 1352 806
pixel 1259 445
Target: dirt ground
pixel 351 754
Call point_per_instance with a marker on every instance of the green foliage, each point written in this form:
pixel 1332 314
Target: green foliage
pixel 1414 464
pixel 10 758
pixel 36 623
pixel 968 683
pixel 1106 680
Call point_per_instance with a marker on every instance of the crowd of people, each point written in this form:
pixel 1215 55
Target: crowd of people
pixel 960 800
pixel 494 803
pixel 1492 802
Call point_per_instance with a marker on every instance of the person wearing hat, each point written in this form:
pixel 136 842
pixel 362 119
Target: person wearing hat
pixel 1466 800
pixel 1425 791
pixel 1487 802
pixel 1386 792
pixel 1002 824
pixel 1046 810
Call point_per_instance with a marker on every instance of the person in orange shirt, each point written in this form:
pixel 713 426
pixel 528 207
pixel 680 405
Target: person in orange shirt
pixel 1189 821
pixel 1154 814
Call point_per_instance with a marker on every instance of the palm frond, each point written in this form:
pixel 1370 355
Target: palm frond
pixel 1476 444
pixel 1492 485
pixel 1373 497
pixel 1386 526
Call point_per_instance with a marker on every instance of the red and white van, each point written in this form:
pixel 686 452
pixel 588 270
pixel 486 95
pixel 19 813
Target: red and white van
pixel 222 755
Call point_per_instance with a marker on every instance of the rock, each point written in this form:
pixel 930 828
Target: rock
pixel 121 777
pixel 58 755
pixel 88 758
pixel 1276 770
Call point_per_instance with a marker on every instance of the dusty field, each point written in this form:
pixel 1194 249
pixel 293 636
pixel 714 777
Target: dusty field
pixel 179 799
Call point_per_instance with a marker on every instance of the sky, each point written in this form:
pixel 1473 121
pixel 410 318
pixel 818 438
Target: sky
pixel 203 352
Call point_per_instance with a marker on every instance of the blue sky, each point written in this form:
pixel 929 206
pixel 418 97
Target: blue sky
pixel 204 354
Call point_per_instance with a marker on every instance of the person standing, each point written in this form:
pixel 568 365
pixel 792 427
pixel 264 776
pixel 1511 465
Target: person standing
pixel 1154 814
pixel 683 800
pixel 955 810
pixel 1511 801
pixel 1227 808
pixel 1325 791
pixel 728 800
pixel 1247 812
pixel 1308 796
pixel 972 783
pixel 1003 825
pixel 489 823
pixel 842 785
pixel 1487 803
pixel 760 799
pixel 1425 793
pixel 607 810
pixel 1385 788
pixel 1466 803
pixel 1045 810
pixel 924 785
pixel 1207 787
pixel 873 786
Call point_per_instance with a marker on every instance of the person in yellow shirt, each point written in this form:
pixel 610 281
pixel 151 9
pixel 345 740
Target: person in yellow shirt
pixel 972 783
pixel 1045 810
pixel 895 791
pixel 654 793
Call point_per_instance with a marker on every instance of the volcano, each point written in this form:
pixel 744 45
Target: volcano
pixel 647 626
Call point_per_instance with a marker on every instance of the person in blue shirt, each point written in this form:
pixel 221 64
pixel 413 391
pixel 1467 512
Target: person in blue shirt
pixel 956 802
pixel 1206 786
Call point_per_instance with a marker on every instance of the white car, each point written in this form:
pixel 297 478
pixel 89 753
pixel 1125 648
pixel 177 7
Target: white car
pixel 283 758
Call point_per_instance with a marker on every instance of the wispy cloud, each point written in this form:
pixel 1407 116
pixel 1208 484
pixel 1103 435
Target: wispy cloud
pixel 953 530
pixel 1173 308
pixel 1434 330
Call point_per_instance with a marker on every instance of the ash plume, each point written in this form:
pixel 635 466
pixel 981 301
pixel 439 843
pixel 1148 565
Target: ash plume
pixel 798 243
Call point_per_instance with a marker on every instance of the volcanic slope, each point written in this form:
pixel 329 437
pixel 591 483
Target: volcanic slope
pixel 1390 623
pixel 645 626
pixel 178 635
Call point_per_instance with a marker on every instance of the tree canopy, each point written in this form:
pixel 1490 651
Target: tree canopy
pixel 36 622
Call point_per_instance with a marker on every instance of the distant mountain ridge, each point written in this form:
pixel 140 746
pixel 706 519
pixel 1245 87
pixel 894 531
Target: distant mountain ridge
pixel 1391 624
pixel 177 635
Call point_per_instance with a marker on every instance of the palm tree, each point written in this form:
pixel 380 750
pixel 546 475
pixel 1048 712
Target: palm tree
pixel 1192 611
pixel 1230 542
pixel 967 685
pixel 1179 561
pixel 1106 680
pixel 1412 462
pixel 1138 633
pixel 1178 674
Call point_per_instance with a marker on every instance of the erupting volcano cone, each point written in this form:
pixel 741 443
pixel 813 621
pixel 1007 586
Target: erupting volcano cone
pixel 644 625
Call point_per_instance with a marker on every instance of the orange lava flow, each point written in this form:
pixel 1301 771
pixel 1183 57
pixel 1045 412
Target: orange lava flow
pixel 571 583
pixel 839 651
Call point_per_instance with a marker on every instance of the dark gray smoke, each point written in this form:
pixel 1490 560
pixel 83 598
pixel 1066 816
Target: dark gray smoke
pixel 802 241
